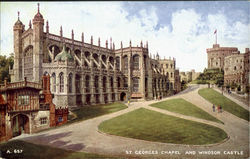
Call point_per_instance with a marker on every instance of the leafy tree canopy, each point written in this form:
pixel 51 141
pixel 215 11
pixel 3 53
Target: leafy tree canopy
pixel 5 63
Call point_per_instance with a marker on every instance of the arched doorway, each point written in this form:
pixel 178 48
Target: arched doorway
pixel 123 96
pixel 20 124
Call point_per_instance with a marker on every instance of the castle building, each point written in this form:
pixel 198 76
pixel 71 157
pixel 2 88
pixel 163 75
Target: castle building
pixel 217 54
pixel 189 75
pixel 83 73
pixel 234 64
pixel 236 69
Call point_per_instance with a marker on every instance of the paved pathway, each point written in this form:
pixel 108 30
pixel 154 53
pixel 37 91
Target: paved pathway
pixel 243 104
pixel 84 136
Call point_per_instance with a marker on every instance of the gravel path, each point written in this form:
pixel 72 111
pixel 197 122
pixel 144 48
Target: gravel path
pixel 84 136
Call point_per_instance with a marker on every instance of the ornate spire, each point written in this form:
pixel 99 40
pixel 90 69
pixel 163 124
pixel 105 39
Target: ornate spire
pixel 18 22
pixel 72 34
pixel 38 10
pixel 99 42
pixel 47 26
pixel 91 40
pixel 61 31
pixel 130 43
pixel 121 45
pixel 82 37
pixel 106 43
pixel 147 44
pixel 141 44
pixel 110 42
pixel 30 24
pixel 113 46
pixel 38 16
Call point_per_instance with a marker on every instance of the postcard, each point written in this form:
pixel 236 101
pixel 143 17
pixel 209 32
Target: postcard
pixel 124 79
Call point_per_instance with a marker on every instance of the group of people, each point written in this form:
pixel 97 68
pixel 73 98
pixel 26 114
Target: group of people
pixel 219 108
pixel 158 98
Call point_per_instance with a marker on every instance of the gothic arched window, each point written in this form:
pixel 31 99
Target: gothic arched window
pixel 135 84
pixel 136 59
pixel 96 83
pixel 70 82
pixel 78 83
pixel 118 82
pixel 125 84
pixel 61 82
pixel 117 59
pixel 53 82
pixel 104 83
pixel 111 84
pixel 87 79
pixel 125 62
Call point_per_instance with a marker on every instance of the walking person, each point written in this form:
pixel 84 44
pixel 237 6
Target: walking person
pixel 218 108
pixel 213 108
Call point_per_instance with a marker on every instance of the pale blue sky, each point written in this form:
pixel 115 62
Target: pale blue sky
pixel 175 28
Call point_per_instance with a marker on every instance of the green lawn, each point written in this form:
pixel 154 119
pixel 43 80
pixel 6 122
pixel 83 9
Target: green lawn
pixel 182 106
pixel 153 126
pixel 87 112
pixel 33 151
pixel 218 99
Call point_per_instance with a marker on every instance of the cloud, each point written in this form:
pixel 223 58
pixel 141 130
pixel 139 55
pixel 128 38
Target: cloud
pixel 185 37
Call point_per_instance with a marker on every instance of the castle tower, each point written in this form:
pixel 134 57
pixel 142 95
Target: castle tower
pixel 38 23
pixel 18 29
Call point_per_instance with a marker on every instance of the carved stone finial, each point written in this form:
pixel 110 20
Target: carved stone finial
pixel 38 10
pixel 30 24
pixel 72 34
pixel 82 37
pixel 61 31
pixel 47 26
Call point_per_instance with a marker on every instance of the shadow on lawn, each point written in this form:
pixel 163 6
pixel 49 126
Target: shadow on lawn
pixel 54 140
pixel 39 147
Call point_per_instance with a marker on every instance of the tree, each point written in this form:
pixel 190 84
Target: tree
pixel 5 63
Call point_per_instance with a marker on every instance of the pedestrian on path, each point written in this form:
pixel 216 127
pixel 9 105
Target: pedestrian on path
pixel 128 102
pixel 213 108
pixel 220 109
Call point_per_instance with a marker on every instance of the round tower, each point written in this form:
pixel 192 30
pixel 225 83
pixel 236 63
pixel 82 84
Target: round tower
pixel 38 24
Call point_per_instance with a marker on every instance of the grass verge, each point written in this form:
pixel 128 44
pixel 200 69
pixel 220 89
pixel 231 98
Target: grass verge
pixel 184 107
pixel 216 98
pixel 153 126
